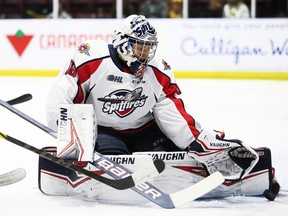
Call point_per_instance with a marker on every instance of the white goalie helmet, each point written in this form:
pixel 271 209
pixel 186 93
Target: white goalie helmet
pixel 136 41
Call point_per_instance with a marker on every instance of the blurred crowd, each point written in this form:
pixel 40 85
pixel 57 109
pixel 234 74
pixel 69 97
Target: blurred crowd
pixel 150 8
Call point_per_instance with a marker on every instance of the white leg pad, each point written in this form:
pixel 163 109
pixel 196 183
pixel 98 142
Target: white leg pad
pixel 77 132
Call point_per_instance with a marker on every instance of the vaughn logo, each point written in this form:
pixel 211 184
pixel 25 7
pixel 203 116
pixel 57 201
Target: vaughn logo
pixel 123 102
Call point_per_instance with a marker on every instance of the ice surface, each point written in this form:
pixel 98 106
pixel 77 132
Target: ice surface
pixel 254 111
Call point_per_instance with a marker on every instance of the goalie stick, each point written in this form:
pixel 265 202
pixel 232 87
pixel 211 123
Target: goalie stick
pixel 12 177
pixel 146 189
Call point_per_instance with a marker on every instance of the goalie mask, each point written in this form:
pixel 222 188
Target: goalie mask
pixel 136 43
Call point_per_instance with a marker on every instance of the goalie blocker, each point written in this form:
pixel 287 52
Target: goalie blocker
pixel 181 172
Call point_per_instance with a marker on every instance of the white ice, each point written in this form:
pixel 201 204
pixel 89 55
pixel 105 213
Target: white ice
pixel 254 111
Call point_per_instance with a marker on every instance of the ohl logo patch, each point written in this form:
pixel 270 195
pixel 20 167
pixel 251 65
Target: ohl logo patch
pixel 19 41
pixel 123 102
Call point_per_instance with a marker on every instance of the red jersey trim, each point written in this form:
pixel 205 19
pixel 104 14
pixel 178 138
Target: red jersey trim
pixel 84 72
pixel 171 89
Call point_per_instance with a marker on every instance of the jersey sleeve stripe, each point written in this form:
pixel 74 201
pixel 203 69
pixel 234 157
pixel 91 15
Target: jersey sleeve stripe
pixel 188 118
pixel 171 89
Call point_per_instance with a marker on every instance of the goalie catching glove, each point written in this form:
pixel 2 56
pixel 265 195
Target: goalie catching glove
pixel 230 157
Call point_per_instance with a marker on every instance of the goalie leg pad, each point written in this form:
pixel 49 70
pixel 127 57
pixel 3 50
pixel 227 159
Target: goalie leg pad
pixel 181 172
pixel 52 177
pixel 77 132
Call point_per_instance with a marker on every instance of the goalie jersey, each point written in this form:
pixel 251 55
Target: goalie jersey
pixel 122 100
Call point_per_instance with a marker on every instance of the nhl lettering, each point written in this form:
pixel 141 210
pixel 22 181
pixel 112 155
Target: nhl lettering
pixel 123 102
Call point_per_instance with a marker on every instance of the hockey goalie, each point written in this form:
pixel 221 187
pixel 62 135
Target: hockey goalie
pixel 122 101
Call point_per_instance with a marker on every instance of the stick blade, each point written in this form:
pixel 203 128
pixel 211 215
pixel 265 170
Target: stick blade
pixel 197 190
pixel 148 172
pixel 12 177
pixel 20 99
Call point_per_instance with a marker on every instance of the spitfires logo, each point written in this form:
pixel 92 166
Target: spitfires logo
pixel 142 28
pixel 123 102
